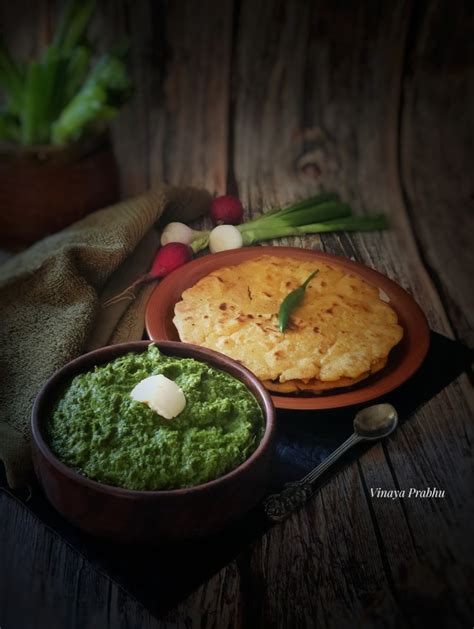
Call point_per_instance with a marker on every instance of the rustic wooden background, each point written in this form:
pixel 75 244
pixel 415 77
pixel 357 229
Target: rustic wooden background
pixel 274 100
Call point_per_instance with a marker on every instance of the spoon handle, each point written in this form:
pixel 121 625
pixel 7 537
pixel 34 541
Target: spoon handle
pixel 294 495
pixel 328 461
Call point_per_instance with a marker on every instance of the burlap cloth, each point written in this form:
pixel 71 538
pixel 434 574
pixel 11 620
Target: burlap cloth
pixel 50 303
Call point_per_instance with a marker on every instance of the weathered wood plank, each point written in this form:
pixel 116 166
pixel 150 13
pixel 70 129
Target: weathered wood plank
pixel 176 127
pixel 193 146
pixel 131 130
pixel 437 146
pixel 268 94
pixel 22 26
pixel 330 552
pixel 48 584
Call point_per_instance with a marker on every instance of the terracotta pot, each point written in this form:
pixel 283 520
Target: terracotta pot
pixel 151 516
pixel 44 189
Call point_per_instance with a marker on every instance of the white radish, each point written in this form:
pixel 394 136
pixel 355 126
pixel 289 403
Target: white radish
pixel 178 232
pixel 224 237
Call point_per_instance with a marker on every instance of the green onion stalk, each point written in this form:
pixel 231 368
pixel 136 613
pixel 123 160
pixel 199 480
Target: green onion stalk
pixel 319 214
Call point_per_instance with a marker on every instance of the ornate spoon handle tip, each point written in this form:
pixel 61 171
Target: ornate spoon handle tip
pixel 293 496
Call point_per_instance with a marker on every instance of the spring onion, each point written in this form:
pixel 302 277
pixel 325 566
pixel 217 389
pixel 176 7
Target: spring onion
pixel 322 213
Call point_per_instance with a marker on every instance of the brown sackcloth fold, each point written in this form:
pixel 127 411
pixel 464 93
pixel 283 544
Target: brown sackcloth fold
pixel 50 302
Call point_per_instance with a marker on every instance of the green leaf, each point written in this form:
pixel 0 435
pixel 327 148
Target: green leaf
pixel 58 98
pixel 42 96
pixel 54 69
pixel 318 199
pixel 279 230
pixel 351 223
pixel 9 128
pixel 302 214
pixel 75 73
pixel 32 105
pixel 73 25
pixel 292 301
pixel 111 73
pixel 323 197
pixel 89 105
pixel 11 79
pixel 121 47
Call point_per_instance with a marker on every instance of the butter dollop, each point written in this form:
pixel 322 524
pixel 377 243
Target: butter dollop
pixel 161 394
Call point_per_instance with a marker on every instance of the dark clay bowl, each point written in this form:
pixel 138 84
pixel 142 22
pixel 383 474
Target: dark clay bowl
pixel 151 516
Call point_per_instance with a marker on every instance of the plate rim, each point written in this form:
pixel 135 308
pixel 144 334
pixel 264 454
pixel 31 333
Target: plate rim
pixel 372 391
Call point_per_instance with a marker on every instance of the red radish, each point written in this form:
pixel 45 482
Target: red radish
pixel 168 258
pixel 227 209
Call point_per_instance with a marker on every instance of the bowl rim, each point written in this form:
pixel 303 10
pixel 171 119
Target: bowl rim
pixel 215 359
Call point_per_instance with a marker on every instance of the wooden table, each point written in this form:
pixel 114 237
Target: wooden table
pixel 275 100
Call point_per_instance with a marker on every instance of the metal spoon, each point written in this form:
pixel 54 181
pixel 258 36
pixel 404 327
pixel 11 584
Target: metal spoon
pixel 370 424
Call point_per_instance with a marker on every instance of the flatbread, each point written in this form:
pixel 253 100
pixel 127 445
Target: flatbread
pixel 340 333
pixel 318 386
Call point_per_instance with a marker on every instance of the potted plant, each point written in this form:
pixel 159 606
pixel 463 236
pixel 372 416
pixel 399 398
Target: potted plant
pixel 56 162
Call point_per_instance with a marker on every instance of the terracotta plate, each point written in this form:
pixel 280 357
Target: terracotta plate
pixel 402 362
